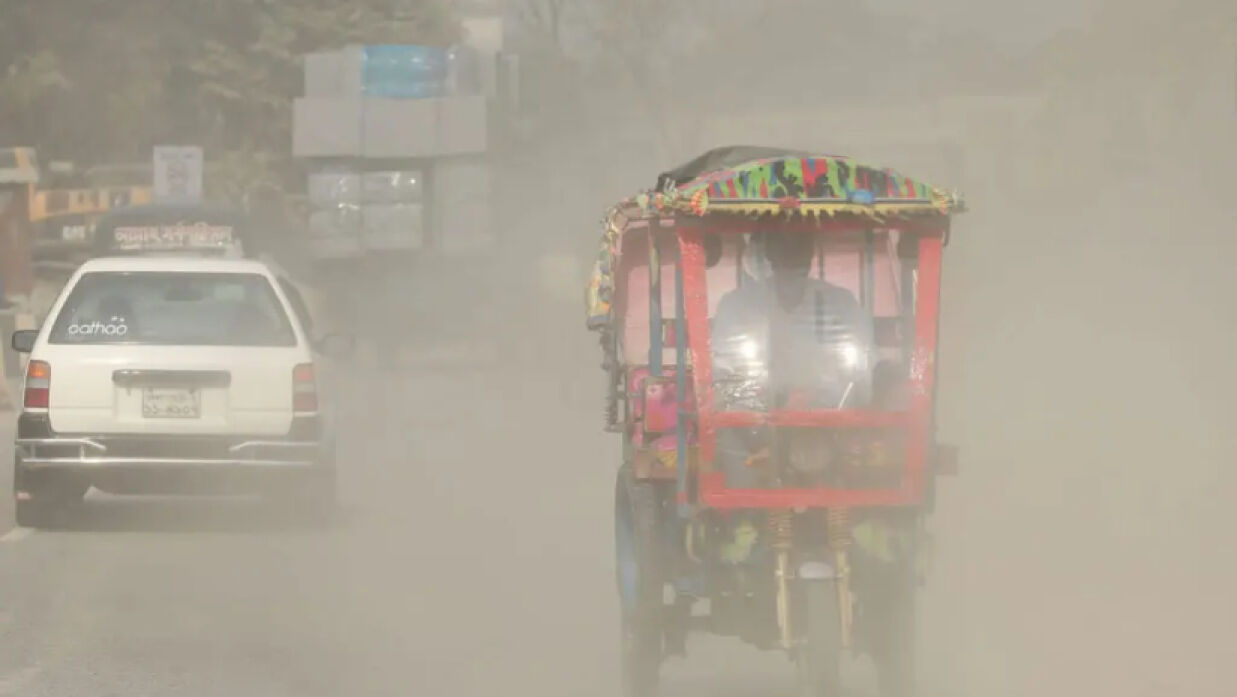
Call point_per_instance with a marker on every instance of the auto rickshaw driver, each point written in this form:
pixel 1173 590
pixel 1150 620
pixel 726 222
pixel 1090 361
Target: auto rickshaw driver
pixel 795 333
pixel 785 340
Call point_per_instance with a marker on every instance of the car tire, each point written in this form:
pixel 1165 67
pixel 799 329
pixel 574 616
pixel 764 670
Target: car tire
pixel 35 514
pixel 47 504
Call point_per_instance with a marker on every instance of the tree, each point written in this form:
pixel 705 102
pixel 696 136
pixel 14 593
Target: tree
pixel 97 81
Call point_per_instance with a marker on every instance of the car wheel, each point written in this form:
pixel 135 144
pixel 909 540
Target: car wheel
pixel 35 514
pixel 41 503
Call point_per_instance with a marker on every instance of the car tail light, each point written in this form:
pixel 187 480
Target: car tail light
pixel 304 388
pixel 38 385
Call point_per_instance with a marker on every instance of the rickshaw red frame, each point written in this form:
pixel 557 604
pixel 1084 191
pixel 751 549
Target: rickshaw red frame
pixel 801 541
pixel 917 419
pixel 712 200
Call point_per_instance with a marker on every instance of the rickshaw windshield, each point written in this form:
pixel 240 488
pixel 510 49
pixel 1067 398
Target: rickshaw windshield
pixel 809 320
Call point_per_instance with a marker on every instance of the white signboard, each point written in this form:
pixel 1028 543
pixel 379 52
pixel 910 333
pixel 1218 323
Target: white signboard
pixel 178 173
pixel 198 236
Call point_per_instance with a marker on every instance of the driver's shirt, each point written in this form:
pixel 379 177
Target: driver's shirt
pixel 815 353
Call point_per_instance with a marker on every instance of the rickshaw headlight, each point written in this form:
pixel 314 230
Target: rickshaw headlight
pixel 749 350
pixel 742 352
pixel 851 356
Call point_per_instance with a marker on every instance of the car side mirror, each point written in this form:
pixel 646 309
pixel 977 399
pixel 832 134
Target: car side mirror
pixel 23 340
pixel 336 345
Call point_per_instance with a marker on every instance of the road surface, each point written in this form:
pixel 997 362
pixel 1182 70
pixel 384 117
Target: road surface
pixel 1083 551
pixel 473 557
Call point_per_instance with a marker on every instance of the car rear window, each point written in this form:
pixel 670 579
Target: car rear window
pixel 173 309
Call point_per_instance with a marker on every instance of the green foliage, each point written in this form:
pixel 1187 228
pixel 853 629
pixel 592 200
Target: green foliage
pixel 97 81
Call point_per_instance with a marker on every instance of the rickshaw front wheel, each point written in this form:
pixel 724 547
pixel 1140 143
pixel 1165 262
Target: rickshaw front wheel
pixel 819 654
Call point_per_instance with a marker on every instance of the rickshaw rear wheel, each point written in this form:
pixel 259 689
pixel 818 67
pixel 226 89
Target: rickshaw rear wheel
pixel 818 658
pixel 640 509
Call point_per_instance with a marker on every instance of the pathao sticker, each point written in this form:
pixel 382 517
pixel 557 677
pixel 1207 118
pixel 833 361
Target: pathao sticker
pixel 115 327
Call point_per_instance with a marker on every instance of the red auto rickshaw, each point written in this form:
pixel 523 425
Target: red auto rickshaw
pixel 769 325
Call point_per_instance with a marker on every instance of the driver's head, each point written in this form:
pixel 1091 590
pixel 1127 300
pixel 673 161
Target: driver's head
pixel 789 253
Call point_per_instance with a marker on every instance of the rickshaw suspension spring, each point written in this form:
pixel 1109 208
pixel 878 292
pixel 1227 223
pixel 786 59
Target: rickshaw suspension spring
pixel 781 529
pixel 839 542
pixel 839 528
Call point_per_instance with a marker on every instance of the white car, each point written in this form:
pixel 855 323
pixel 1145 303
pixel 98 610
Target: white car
pixel 181 374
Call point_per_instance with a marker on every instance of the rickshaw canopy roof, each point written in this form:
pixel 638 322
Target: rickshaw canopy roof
pixel 760 181
pixel 765 183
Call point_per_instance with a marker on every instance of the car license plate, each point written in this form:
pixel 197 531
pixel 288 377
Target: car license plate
pixel 170 403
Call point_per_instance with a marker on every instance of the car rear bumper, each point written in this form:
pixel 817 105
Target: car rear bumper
pixel 39 448
pixel 86 454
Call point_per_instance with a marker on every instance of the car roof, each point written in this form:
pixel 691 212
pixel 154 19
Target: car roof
pixel 187 264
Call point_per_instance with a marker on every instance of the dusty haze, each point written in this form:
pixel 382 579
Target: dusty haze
pixel 1087 338
pixel 1086 331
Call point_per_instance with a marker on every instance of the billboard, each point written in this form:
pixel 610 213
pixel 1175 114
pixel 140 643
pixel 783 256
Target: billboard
pixel 178 173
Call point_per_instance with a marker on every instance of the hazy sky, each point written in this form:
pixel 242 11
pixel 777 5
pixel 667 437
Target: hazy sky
pixel 1020 21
